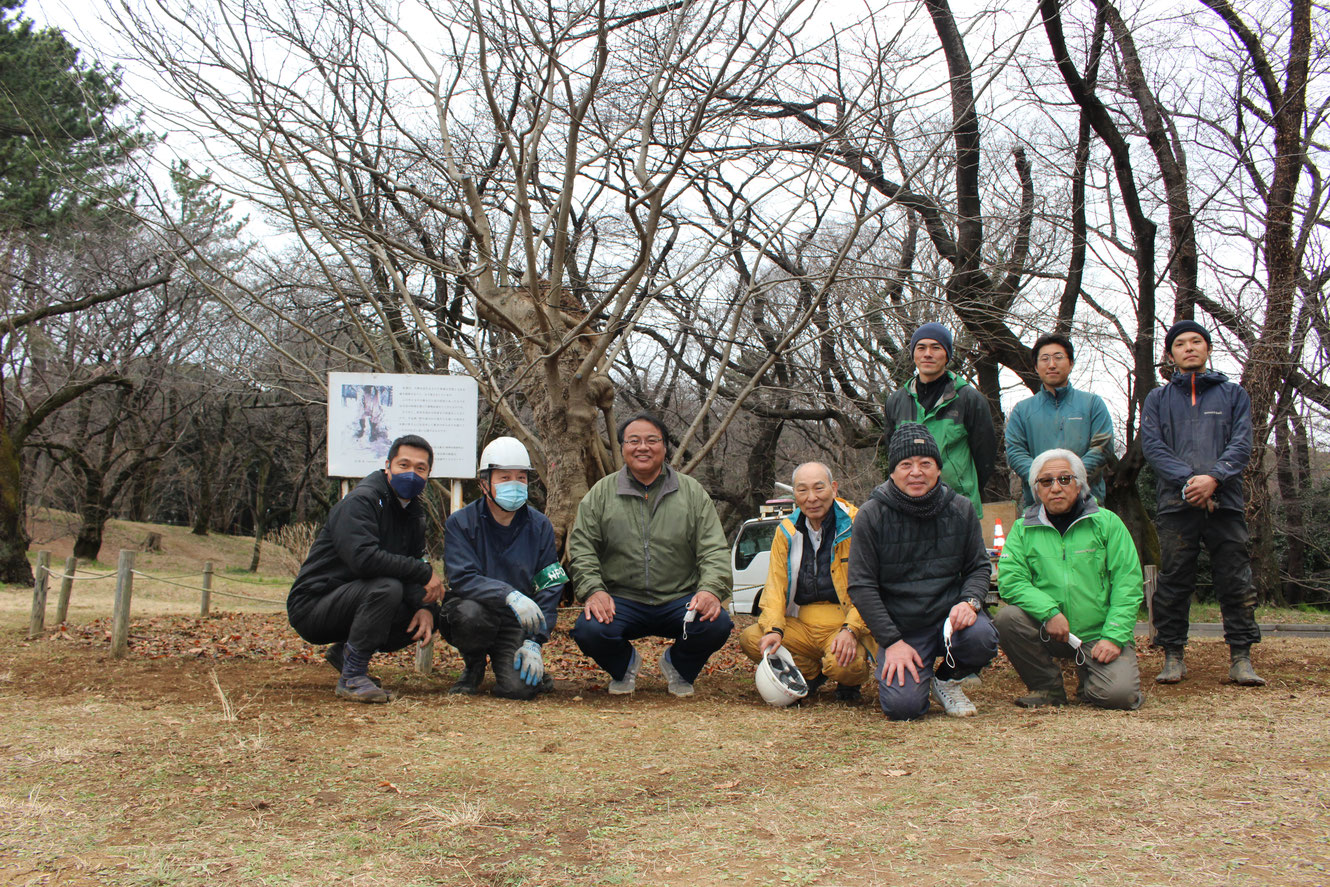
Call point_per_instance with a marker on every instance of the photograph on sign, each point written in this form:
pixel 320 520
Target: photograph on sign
pixel 367 411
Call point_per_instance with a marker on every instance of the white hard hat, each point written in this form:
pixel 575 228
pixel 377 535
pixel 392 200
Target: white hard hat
pixel 504 452
pixel 779 679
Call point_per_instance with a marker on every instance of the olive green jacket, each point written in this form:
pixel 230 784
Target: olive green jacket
pixel 645 550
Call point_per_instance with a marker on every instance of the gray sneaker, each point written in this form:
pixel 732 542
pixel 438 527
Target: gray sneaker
pixel 951 697
pixel 627 683
pixel 677 685
pixel 361 689
pixel 1042 699
pixel 1174 669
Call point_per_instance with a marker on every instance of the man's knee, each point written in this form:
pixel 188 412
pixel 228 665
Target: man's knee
pixel 588 632
pixel 749 640
pixel 977 644
pixel 855 673
pixel 384 591
pixel 904 703
pixel 1012 620
pixel 1123 696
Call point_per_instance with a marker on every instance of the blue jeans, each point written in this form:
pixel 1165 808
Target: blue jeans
pixel 971 649
pixel 609 645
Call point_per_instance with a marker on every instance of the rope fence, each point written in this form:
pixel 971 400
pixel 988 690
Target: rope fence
pixel 124 592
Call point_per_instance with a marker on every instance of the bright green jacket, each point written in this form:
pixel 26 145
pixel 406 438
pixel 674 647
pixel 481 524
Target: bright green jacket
pixel 1091 575
pixel 962 426
pixel 652 548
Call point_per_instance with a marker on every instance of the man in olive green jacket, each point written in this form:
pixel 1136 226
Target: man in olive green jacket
pixel 1071 579
pixel 648 557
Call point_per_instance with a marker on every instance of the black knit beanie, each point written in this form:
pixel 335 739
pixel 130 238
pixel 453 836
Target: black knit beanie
pixel 1185 326
pixel 911 439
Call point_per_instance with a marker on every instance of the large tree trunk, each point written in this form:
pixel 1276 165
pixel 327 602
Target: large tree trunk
pixel 1294 568
pixel 88 542
pixel 14 566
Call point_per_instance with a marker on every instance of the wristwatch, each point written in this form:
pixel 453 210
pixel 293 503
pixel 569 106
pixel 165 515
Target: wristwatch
pixel 975 605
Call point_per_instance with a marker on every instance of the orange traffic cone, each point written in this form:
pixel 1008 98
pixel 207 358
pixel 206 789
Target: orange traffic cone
pixel 999 538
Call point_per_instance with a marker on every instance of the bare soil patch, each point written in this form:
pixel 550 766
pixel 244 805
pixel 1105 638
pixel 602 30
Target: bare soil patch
pixel 217 754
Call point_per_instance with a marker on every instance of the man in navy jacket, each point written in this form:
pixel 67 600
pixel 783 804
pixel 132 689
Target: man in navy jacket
pixel 1196 432
pixel 504 579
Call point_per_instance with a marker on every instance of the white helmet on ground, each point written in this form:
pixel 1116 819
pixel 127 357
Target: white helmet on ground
pixel 504 452
pixel 779 679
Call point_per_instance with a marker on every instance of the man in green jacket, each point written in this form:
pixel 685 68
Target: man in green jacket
pixel 648 557
pixel 955 414
pixel 1059 416
pixel 1071 580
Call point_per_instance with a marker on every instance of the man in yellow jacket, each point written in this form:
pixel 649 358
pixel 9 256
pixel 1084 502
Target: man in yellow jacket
pixel 805 604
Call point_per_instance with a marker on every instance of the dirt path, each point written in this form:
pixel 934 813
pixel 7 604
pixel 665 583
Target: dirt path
pixel 217 754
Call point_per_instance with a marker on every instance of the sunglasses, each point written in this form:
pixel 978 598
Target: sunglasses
pixel 1062 480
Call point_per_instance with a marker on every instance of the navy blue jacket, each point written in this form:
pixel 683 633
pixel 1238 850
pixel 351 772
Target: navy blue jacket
pixel 485 560
pixel 1199 423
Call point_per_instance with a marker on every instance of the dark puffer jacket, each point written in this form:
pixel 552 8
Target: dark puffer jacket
pixel 369 535
pixel 906 573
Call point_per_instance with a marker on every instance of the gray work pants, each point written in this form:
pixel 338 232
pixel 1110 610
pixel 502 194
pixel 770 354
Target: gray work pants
pixel 1116 684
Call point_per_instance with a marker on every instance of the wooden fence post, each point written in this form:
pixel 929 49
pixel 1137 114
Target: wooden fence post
pixel 425 657
pixel 1151 579
pixel 124 590
pixel 66 589
pixel 39 581
pixel 206 602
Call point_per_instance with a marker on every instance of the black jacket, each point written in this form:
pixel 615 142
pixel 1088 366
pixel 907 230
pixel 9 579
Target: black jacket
pixel 369 535
pixel 906 573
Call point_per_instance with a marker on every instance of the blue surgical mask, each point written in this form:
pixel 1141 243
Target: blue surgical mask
pixel 510 495
pixel 407 484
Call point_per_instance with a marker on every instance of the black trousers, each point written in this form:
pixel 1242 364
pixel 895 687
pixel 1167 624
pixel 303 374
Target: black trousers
pixel 1224 534
pixel 479 630
pixel 369 614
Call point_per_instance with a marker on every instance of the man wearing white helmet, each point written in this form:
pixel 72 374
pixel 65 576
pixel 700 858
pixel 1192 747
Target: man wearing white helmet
pixel 504 578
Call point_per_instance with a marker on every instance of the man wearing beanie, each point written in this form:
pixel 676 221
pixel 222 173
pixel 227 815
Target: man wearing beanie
pixel 1196 432
pixel 955 414
pixel 918 566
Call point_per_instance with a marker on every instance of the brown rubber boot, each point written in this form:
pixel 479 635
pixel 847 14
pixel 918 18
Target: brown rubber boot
pixel 1240 669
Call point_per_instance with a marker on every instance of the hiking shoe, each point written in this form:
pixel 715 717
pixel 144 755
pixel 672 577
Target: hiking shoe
pixel 1042 699
pixel 1174 669
pixel 677 685
pixel 546 684
pixel 951 697
pixel 473 675
pixel 627 683
pixel 1241 672
pixel 847 693
pixel 360 689
pixel 336 657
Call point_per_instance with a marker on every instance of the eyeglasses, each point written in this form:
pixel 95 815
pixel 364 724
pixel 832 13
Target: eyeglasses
pixel 1059 357
pixel 1062 480
pixel 639 441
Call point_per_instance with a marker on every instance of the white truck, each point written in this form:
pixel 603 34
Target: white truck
pixel 751 555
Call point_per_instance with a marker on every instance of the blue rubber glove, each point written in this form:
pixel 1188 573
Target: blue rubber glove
pixel 528 663
pixel 527 611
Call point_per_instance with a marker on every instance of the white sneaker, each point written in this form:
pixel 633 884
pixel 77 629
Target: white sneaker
pixel 952 698
pixel 627 683
pixel 677 685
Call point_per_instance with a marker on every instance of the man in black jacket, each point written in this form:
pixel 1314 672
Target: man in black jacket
pixel 366 586
pixel 1196 432
pixel 917 563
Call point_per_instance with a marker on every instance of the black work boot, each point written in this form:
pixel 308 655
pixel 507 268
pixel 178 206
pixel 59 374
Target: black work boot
pixel 1174 669
pixel 1240 669
pixel 473 675
pixel 847 693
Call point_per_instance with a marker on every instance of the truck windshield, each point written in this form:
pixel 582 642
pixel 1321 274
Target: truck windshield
pixel 753 539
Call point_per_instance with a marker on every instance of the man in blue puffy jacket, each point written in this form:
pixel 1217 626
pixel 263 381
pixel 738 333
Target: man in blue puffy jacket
pixel 504 579
pixel 1196 432
pixel 1059 417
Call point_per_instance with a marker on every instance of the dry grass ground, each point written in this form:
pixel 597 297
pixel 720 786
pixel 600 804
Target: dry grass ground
pixel 216 754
